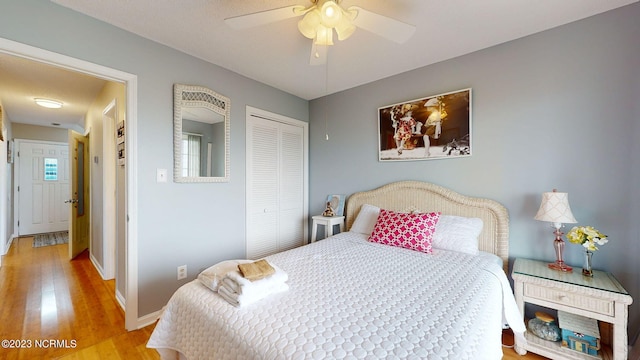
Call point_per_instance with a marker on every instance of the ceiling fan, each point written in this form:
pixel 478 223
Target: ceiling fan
pixel 322 18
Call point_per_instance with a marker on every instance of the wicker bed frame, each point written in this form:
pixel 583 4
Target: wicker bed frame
pixel 408 196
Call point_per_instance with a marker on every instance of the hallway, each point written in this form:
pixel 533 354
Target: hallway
pixel 61 308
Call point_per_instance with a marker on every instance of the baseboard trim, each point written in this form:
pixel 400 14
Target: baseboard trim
pixel 8 244
pixel 149 318
pixel 96 265
pixel 120 299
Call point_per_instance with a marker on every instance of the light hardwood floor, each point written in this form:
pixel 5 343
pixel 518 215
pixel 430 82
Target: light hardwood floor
pixel 44 296
pixel 510 354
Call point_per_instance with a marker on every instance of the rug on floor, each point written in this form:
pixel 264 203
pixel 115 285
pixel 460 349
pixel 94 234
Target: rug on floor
pixel 54 238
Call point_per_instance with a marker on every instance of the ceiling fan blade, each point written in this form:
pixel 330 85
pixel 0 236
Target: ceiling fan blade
pixel 264 17
pixel 386 27
pixel 318 54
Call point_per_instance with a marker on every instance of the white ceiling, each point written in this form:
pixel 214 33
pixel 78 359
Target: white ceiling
pixel 22 80
pixel 278 55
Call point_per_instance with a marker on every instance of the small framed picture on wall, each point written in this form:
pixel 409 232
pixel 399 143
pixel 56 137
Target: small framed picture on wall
pixel 120 151
pixel 120 142
pixel 10 151
pixel 120 132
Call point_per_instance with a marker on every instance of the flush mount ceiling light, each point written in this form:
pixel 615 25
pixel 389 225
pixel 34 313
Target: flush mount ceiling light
pixel 322 18
pixel 48 103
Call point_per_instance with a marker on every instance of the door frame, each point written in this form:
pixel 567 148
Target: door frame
pixel 16 176
pixel 130 81
pixel 109 189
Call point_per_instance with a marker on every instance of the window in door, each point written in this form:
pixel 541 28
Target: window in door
pixel 50 169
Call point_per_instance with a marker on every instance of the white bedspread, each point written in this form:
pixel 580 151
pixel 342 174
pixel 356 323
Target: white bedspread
pixel 350 299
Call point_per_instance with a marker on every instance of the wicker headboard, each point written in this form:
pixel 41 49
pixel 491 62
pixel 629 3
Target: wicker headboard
pixel 408 196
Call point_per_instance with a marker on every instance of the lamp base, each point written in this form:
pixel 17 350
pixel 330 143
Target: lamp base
pixel 560 266
pixel 558 245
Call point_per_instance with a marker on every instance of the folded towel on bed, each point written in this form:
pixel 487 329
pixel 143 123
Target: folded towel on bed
pixel 212 276
pixel 240 300
pixel 239 291
pixel 256 270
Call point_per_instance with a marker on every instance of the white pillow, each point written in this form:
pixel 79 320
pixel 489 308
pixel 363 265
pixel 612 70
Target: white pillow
pixel 212 276
pixel 366 219
pixel 457 233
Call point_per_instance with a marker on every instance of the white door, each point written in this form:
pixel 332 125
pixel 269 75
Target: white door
pixel 292 214
pixel 43 186
pixel 262 187
pixel 276 184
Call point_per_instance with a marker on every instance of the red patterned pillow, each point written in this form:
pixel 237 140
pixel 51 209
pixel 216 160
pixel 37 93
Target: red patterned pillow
pixel 410 231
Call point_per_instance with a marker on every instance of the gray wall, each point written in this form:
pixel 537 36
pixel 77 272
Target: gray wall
pixel 557 109
pixel 6 181
pixel 631 262
pixel 173 229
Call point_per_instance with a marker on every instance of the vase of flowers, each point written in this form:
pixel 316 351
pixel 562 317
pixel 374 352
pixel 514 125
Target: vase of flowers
pixel 588 237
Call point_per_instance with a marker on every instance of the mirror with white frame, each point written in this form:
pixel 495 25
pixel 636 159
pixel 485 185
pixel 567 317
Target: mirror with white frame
pixel 200 134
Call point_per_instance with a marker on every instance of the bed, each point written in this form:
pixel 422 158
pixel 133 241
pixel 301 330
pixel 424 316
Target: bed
pixel 350 298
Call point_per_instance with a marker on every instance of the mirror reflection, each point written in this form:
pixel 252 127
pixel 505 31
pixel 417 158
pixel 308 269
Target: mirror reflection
pixel 201 135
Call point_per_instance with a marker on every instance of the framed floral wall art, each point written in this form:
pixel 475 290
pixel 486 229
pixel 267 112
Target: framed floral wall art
pixel 434 127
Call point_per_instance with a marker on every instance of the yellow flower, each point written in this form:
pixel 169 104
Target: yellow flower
pixel 587 236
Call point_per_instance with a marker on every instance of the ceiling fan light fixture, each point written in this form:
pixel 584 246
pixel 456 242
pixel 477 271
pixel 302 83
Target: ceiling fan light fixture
pixel 331 14
pixel 344 29
pixel 324 36
pixel 319 21
pixel 48 103
pixel 309 23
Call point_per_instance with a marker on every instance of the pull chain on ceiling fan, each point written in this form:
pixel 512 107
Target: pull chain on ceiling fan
pixel 322 18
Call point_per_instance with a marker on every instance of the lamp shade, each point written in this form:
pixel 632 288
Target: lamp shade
pixel 331 14
pixel 309 23
pixel 555 208
pixel 344 29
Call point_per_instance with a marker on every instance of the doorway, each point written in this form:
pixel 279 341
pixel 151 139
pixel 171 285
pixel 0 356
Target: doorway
pixel 130 203
pixel 42 173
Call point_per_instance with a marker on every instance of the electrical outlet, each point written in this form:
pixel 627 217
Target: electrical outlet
pixel 182 272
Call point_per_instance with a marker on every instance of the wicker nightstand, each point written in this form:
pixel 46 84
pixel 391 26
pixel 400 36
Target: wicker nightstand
pixel 600 297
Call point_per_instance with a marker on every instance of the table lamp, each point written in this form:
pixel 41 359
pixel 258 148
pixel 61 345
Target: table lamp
pixel 555 208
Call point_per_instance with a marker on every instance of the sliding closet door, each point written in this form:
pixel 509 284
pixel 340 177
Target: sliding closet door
pixel 262 187
pixel 276 186
pixel 291 215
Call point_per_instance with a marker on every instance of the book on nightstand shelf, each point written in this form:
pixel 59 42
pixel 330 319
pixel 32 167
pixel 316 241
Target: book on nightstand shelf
pixel 579 333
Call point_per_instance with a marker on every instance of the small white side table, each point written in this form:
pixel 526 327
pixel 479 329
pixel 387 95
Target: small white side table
pixel 328 223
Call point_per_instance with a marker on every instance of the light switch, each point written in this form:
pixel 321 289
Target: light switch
pixel 161 175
